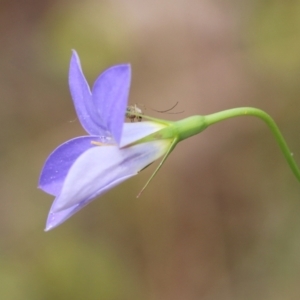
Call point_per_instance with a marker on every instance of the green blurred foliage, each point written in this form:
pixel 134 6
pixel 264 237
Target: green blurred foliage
pixel 274 36
pixel 220 220
pixel 86 28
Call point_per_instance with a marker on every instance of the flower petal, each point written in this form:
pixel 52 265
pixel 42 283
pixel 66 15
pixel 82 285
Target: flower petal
pixel 57 218
pixel 133 132
pixel 110 95
pixel 83 101
pixel 60 160
pixel 100 167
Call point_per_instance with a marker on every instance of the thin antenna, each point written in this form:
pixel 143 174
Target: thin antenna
pixel 167 111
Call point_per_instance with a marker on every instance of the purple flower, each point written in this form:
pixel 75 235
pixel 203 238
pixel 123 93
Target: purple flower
pixel 85 167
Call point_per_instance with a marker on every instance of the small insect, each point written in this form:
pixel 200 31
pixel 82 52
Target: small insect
pixel 134 112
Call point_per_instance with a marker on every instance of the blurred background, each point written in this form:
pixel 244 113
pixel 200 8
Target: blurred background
pixel 221 218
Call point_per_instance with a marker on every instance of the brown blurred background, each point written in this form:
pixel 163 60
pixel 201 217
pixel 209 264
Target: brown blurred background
pixel 221 219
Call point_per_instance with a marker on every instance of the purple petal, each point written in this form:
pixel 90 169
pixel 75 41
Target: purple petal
pixel 100 167
pixel 83 101
pixel 110 95
pixel 133 132
pixel 60 160
pixel 56 218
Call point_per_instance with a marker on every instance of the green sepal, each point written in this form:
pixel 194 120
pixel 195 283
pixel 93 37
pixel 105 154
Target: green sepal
pixel 172 146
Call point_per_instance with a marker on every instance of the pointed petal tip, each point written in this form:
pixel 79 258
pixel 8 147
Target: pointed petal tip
pixel 51 223
pixel 124 69
pixel 74 54
pixel 75 69
pixel 123 66
pixel 48 228
pixel 56 219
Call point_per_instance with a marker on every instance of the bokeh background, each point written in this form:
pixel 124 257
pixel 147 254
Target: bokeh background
pixel 221 218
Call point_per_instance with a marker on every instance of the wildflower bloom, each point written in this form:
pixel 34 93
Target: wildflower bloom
pixel 85 167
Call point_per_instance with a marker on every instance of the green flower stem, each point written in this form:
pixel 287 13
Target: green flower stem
pixel 250 111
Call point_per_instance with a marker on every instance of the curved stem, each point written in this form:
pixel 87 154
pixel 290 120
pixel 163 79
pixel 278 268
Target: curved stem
pixel 250 111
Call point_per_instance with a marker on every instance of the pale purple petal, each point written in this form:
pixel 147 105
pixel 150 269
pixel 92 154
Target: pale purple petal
pixel 60 160
pixel 83 101
pixel 99 167
pixel 110 95
pixel 56 218
pixel 78 171
pixel 133 132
